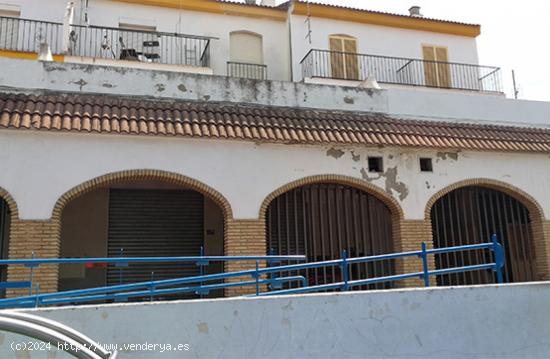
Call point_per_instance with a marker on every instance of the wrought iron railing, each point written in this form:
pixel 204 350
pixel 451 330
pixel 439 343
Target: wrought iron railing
pixel 26 35
pixel 136 45
pixel 246 70
pixel 401 71
pixel 105 42
pixel 272 278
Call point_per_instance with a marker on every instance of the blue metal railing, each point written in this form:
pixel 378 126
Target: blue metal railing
pixel 260 277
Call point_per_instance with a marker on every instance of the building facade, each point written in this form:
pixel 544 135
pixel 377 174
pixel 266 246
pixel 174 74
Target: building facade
pixel 160 127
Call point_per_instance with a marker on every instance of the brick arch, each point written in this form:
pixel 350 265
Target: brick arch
pixel 12 205
pixel 143 174
pixel 392 204
pixel 535 210
pixel 539 227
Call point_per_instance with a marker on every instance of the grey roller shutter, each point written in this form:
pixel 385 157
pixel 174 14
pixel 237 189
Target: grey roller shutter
pixel 154 223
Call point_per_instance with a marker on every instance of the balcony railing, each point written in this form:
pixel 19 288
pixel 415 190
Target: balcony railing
pixel 105 42
pixel 246 70
pixel 402 71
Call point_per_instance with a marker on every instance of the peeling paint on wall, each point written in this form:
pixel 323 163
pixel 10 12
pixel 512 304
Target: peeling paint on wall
pixel 81 83
pixel 354 156
pixel 450 155
pixel 391 183
pixel 334 152
pixel 160 87
pixel 349 100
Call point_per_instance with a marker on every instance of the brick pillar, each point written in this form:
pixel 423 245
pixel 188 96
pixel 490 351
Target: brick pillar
pixel 408 236
pixel 42 238
pixel 243 237
pixel 541 241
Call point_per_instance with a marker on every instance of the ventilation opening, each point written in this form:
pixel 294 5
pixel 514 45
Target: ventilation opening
pixel 426 165
pixel 376 164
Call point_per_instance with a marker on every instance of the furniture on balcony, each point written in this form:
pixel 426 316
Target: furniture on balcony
pixel 102 42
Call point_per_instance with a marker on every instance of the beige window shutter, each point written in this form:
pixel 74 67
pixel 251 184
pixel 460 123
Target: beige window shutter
pixel 246 47
pixel 436 74
pixel 443 70
pixel 350 61
pixel 343 61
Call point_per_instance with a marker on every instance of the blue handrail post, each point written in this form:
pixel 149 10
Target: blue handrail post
pixel 257 275
pixel 499 258
pixel 152 288
pixel 201 269
pixel 424 256
pixel 345 269
pixel 120 267
pixel 37 298
pixel 31 274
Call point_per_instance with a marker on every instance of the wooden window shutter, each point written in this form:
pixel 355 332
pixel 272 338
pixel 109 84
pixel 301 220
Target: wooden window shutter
pixel 443 70
pixel 430 69
pixel 336 58
pixel 350 61
pixel 436 74
pixel 343 64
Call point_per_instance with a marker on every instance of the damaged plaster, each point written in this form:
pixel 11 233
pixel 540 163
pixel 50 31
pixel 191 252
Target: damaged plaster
pixel 334 152
pixel 447 155
pixel 391 183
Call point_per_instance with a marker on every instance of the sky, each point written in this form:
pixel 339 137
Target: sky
pixel 514 35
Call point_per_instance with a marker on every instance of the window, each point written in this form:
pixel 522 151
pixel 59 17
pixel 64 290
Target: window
pixel 343 57
pixel 426 165
pixel 376 164
pixel 246 47
pixel 437 72
pixel 9 26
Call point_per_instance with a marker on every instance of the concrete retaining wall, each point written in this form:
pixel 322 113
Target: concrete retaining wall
pixel 508 321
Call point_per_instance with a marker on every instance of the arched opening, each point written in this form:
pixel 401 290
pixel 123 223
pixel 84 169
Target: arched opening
pixel 142 217
pixel 5 216
pixel 320 220
pixel 470 215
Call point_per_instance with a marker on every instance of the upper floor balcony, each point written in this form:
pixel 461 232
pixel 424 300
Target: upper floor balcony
pixel 107 45
pixel 338 65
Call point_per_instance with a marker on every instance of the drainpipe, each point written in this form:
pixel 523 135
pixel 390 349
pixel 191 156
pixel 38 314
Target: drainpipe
pixel 67 27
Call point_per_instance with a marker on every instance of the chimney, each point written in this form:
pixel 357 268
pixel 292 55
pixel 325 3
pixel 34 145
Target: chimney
pixel 270 3
pixel 415 11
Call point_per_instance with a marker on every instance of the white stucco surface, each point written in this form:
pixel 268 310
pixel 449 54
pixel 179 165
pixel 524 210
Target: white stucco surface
pixel 508 321
pixel 37 168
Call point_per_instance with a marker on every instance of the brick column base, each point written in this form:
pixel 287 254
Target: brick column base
pixel 408 236
pixel 42 238
pixel 541 242
pixel 243 237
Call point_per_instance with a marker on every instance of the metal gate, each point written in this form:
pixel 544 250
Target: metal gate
pixel 470 215
pixel 154 223
pixel 322 220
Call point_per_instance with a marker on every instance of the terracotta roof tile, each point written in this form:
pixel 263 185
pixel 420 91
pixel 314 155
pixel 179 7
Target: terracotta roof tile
pixel 110 114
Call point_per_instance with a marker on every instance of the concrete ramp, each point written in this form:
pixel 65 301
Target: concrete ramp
pixel 508 321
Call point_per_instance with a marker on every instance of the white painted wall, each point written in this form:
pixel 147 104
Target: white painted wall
pixel 39 167
pixel 375 40
pixel 509 321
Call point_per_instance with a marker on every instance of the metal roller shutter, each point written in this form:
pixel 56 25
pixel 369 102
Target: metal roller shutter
pixel 154 223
